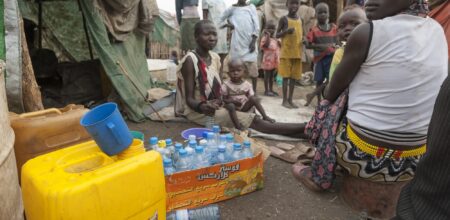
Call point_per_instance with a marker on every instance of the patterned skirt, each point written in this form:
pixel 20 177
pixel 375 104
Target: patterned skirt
pixel 367 166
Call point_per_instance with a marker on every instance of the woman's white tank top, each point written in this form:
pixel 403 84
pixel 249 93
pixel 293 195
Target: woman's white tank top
pixel 396 87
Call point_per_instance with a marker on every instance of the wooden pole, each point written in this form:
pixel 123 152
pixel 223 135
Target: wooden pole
pixel 32 99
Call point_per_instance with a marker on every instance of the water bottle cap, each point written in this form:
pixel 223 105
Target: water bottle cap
pixel 205 134
pixel 183 152
pixel 203 142
pixel 167 161
pixel 222 148
pixel 178 146
pixel 192 143
pixel 216 129
pixel 153 140
pixel 223 137
pixel 162 144
pixel 199 149
pixel 230 137
pixel 237 146
pixel 192 137
pixel 168 141
pixel 210 135
pixel 247 143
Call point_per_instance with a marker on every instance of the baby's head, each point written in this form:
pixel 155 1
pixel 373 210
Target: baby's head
pixel 322 13
pixel 270 27
pixel 379 9
pixel 236 70
pixel 352 16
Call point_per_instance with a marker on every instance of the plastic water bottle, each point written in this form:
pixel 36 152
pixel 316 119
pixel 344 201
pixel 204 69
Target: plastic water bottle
pixel 176 154
pixel 168 167
pixel 216 131
pixel 210 121
pixel 171 73
pixel 237 152
pixel 212 150
pixel 222 156
pixel 190 149
pixel 153 143
pixel 247 151
pixel 192 137
pixel 183 162
pixel 210 212
pixel 162 149
pixel 170 147
pixel 230 140
pixel 205 135
pixel 200 159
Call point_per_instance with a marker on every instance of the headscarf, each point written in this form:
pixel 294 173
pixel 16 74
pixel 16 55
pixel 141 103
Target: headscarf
pixel 417 8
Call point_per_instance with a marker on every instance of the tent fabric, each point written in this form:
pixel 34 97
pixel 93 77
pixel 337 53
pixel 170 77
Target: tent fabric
pixel 122 17
pixel 166 30
pixel 124 62
pixel 11 206
pixel 65 36
pixel 13 57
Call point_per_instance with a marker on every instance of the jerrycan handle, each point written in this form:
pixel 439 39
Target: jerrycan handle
pixel 113 130
pixel 40 113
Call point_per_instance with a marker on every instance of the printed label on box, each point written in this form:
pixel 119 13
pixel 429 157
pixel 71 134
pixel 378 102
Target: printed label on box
pixel 208 185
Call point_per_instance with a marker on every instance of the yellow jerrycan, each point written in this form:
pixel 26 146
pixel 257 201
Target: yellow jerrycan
pixel 83 183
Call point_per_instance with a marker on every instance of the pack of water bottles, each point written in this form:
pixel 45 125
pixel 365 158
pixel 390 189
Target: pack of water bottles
pixel 211 168
pixel 213 148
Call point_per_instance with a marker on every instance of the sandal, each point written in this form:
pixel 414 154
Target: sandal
pixel 284 155
pixel 303 174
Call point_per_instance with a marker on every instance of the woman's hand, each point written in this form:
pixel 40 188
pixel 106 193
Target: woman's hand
pixel 208 109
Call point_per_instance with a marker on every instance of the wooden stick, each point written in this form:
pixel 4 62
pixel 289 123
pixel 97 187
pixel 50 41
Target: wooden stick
pixel 145 98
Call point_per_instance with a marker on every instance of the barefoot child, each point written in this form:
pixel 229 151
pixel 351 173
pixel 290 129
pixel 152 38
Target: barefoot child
pixel 322 39
pixel 291 33
pixel 352 16
pixel 238 94
pixel 271 48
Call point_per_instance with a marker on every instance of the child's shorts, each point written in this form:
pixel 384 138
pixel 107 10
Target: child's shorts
pixel 322 68
pixel 290 68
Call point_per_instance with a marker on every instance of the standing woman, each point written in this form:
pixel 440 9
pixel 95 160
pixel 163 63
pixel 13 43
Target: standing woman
pixel 187 16
pixel 213 10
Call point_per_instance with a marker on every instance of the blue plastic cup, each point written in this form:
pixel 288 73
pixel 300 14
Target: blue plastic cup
pixel 106 125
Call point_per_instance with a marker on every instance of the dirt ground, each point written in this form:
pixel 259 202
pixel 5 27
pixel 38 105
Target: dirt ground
pixel 282 197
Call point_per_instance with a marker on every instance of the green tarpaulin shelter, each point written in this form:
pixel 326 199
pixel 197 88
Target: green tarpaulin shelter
pixel 124 62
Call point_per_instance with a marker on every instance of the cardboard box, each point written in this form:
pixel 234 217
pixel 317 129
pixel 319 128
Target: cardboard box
pixel 196 188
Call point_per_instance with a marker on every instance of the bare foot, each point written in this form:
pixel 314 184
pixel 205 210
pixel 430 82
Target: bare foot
pixel 309 98
pixel 240 127
pixel 286 105
pixel 293 105
pixel 269 119
pixel 275 93
pixel 269 93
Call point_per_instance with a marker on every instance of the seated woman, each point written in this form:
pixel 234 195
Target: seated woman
pixel 393 67
pixel 199 89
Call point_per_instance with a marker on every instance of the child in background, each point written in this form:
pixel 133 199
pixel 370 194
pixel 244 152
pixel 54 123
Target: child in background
pixel 238 94
pixel 291 33
pixel 323 40
pixel 352 16
pixel 243 19
pixel 271 50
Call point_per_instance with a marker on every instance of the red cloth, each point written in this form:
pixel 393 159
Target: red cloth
pixel 442 15
pixel 318 36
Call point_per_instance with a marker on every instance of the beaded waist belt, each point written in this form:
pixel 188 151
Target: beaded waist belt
pixel 382 151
